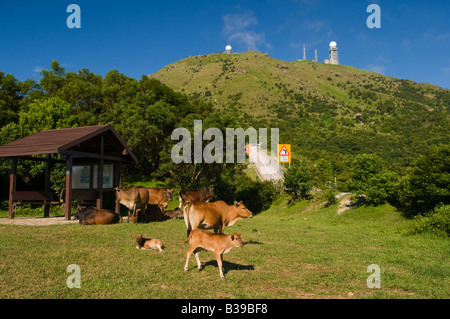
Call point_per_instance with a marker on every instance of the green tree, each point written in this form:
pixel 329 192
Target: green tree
pixel 9 99
pixel 381 187
pixel 363 168
pixel 297 180
pixel 43 114
pixel 369 177
pixel 52 81
pixel 428 180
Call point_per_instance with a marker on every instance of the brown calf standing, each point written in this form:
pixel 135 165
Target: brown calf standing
pixel 217 243
pixel 148 243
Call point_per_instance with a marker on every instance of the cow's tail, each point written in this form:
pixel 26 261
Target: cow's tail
pixel 181 200
pixel 189 238
pixel 186 210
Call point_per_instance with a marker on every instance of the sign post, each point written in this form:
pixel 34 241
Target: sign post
pixel 284 153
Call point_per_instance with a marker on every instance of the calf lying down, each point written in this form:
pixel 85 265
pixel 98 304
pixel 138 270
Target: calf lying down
pixel 148 243
pixel 217 243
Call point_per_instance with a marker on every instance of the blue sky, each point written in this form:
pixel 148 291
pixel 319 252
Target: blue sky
pixel 140 37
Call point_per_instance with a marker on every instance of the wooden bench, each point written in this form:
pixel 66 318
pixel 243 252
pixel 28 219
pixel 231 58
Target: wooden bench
pixel 84 197
pixel 34 197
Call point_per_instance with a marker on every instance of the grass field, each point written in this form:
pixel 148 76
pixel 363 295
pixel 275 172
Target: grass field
pixel 300 251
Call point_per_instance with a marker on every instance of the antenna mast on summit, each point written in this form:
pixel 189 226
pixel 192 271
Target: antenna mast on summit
pixel 304 51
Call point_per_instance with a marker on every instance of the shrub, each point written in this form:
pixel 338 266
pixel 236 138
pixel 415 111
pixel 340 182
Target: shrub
pixel 437 221
pixel 428 181
pixel 381 187
pixel 330 196
pixel 297 181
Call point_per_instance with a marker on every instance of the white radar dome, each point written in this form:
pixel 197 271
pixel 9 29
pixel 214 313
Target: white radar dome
pixel 228 48
pixel 333 44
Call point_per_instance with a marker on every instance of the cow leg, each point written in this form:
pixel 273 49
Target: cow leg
pixel 199 264
pixel 219 263
pixel 219 228
pixel 128 219
pixel 180 202
pixel 188 255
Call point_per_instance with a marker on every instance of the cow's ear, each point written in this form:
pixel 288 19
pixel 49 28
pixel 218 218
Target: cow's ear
pixel 232 237
pixel 236 203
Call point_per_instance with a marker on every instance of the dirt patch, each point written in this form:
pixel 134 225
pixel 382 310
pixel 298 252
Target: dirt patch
pixel 37 221
pixel 346 202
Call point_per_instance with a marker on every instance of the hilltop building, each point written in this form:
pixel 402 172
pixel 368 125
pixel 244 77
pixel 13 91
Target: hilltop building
pixel 334 56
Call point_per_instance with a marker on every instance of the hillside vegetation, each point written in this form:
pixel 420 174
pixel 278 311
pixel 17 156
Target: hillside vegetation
pixel 332 109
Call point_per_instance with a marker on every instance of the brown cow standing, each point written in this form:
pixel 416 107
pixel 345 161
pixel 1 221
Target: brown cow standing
pixel 160 197
pixel 214 215
pixel 132 198
pixel 96 216
pixel 200 195
pixel 217 243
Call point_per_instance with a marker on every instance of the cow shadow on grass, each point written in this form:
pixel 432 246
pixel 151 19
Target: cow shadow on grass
pixel 227 266
pixel 253 242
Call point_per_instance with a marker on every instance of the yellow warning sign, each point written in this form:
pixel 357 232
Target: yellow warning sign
pixel 284 153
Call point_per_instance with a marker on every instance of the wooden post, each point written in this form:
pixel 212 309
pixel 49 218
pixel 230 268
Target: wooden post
pixel 68 197
pixel 100 174
pixel 12 187
pixel 47 185
pixel 118 181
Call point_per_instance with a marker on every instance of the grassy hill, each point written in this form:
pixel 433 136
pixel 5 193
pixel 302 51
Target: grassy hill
pixel 319 108
pixel 256 81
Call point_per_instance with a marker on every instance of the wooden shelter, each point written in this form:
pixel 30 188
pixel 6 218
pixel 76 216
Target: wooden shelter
pixel 91 154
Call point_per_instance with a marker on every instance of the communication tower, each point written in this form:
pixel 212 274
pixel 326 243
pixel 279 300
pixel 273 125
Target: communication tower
pixel 334 56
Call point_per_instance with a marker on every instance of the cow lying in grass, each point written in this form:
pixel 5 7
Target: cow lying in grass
pixel 148 243
pixel 95 216
pixel 217 243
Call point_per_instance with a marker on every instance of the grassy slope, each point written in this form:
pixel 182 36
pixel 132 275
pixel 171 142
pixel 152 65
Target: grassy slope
pixel 335 109
pixel 263 81
pixel 302 251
